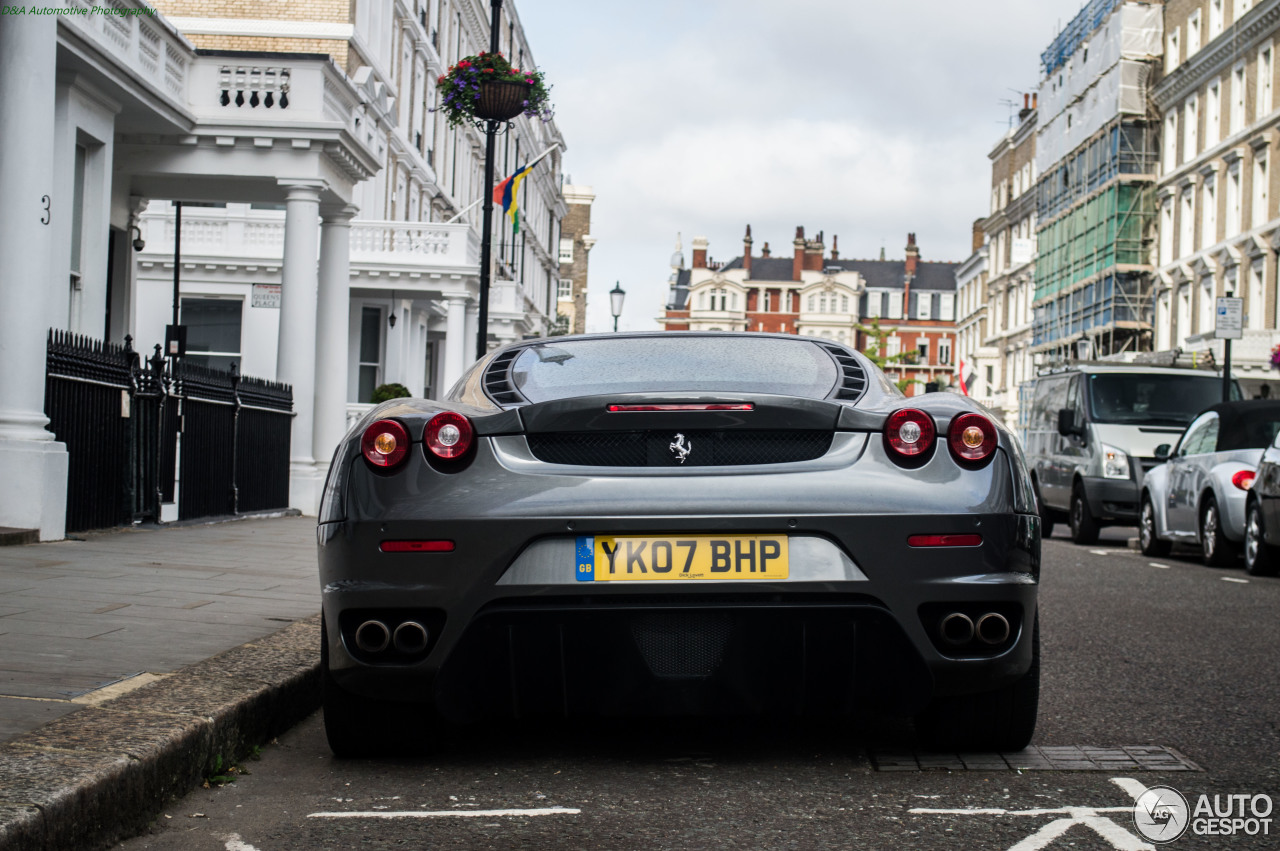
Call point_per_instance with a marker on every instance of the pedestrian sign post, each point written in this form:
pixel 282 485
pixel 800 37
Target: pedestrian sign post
pixel 1229 326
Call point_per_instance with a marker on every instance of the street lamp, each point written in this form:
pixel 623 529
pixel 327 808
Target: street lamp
pixel 616 297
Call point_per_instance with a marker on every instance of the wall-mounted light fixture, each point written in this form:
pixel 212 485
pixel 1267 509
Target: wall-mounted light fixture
pixel 138 243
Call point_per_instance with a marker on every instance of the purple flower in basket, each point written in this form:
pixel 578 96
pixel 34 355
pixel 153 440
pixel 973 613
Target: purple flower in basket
pixel 1275 357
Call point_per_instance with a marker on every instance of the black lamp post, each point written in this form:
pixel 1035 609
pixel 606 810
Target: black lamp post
pixel 616 297
pixel 486 235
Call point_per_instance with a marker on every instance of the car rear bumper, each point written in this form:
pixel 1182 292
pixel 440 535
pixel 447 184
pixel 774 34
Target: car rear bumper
pixel 513 632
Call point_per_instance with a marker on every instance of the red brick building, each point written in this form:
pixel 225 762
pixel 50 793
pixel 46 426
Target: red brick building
pixel 819 294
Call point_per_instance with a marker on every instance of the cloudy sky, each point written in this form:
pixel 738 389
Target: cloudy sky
pixel 867 119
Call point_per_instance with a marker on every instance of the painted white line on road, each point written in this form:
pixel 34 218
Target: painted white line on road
pixel 1091 817
pixel 1233 579
pixel 234 843
pixel 1102 552
pixel 1135 788
pixel 546 811
pixel 1157 564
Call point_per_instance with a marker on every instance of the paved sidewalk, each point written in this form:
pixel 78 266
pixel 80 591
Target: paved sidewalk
pixel 81 620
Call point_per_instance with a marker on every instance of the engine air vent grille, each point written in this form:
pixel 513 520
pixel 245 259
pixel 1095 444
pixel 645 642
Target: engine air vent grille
pixel 497 380
pixel 667 448
pixel 853 378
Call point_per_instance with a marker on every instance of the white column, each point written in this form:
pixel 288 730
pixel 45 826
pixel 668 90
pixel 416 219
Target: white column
pixel 33 466
pixel 332 319
pixel 296 361
pixel 455 341
pixel 473 322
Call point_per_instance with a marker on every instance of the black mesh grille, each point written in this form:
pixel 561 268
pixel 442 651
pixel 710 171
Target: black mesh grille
pixel 701 448
pixel 682 644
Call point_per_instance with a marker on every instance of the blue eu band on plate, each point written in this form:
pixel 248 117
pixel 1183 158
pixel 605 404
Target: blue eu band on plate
pixel 635 558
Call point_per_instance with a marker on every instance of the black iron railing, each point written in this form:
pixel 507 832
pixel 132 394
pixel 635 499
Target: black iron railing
pixel 140 432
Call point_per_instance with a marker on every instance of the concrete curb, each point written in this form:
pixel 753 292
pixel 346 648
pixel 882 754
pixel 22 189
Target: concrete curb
pixel 104 772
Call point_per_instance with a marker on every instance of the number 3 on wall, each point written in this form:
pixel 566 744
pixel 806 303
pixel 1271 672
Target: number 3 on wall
pixel 44 199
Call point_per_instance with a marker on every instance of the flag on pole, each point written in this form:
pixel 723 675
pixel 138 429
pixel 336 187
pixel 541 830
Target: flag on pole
pixel 507 194
pixel 965 374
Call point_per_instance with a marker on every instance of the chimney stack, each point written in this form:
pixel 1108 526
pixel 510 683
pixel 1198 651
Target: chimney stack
pixel 979 235
pixel 699 252
pixel 913 259
pixel 835 247
pixel 746 251
pixel 765 252
pixel 813 251
pixel 797 262
pixel 1026 108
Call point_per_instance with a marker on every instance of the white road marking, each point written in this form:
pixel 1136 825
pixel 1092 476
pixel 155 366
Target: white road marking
pixel 1119 838
pixel 1134 787
pixel 546 811
pixel 234 843
pixel 1233 579
pixel 1102 552
pixel 1161 566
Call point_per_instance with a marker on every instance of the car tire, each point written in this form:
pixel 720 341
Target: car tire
pixel 1260 558
pixel 1046 513
pixel 1151 545
pixel 1002 720
pixel 358 727
pixel 1218 551
pixel 1084 528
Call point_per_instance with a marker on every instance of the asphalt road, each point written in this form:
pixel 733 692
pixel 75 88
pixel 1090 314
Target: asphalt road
pixel 1136 652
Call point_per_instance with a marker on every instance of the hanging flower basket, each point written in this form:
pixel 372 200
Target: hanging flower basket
pixel 1275 357
pixel 486 88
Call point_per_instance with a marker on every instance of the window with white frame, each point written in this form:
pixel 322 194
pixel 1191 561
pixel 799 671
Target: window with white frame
pixel 1209 212
pixel 895 305
pixel 922 350
pixel 1190 128
pixel 1206 304
pixel 213 331
pixel 1266 71
pixel 566 251
pixel 733 301
pixel 873 303
pixel 1184 311
pixel 1233 222
pixel 1187 223
pixel 944 351
pixel 1163 323
pixel 1166 232
pixel 947 307
pixel 893 346
pixel 1171 54
pixel 1212 113
pixel 1170 141
pixel 564 292
pixel 1216 18
pixel 1259 212
pixel 370 364
pixel 924 306
pixel 1193 33
pixel 1257 305
pixel 1241 6
pixel 813 303
pixel 844 304
pixel 1237 99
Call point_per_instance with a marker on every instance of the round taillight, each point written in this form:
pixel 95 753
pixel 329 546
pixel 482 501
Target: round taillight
pixel 1244 479
pixel 448 435
pixel 385 443
pixel 909 432
pixel 972 437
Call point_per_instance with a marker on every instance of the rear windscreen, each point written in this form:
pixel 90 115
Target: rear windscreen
pixel 561 369
pixel 1153 399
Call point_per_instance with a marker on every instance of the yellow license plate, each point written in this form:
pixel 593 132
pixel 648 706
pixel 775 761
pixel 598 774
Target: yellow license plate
pixel 633 558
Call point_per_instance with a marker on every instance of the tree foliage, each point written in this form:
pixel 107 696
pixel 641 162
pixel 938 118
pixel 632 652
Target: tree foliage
pixel 876 342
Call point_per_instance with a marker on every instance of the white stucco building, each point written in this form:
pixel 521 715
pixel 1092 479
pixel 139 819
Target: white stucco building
pixel 330 233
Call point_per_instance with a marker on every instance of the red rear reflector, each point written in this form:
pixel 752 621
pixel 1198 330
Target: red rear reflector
pixel 622 409
pixel 416 546
pixel 1244 479
pixel 944 541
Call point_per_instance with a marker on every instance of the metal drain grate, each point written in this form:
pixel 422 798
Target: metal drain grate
pixel 1068 758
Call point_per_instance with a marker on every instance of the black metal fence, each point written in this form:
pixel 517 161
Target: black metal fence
pixel 127 422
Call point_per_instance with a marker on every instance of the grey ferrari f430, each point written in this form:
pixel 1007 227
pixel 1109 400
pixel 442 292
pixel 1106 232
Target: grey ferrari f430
pixel 678 524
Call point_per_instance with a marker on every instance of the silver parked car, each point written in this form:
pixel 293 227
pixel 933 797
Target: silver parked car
pixel 1198 494
pixel 677 524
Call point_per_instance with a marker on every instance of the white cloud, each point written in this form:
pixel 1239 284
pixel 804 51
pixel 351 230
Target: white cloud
pixel 865 119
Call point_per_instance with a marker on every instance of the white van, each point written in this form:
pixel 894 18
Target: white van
pixel 1092 434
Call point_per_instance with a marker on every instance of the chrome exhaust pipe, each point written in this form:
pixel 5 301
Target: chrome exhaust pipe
pixel 410 637
pixel 992 628
pixel 373 636
pixel 956 628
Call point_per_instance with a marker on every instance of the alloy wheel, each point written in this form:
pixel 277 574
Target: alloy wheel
pixel 1147 528
pixel 1252 537
pixel 1209 533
